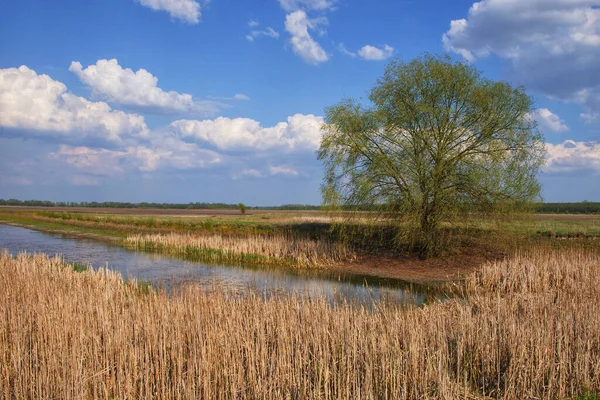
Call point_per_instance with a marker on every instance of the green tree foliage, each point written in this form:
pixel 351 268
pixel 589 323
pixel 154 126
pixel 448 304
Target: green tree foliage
pixel 437 140
pixel 584 207
pixel 242 207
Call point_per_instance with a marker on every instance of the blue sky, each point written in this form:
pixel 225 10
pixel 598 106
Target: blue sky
pixel 221 101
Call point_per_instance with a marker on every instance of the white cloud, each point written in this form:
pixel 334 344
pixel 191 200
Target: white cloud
pixel 282 170
pixel 40 104
pixel 253 23
pixel 184 10
pixel 297 24
pixel 248 173
pixel 97 161
pixel 92 144
pixel 110 82
pixel 550 122
pixel 369 52
pixel 175 154
pixel 571 156
pixel 551 45
pixel 241 96
pixel 300 132
pixel 164 154
pixel 590 118
pixel 294 5
pixel 268 32
pixel 342 48
pixel 252 172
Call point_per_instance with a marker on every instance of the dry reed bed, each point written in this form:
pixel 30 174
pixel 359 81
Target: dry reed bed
pixel 262 249
pixel 529 328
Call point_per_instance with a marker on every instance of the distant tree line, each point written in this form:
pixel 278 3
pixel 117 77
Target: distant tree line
pixel 170 206
pixel 584 207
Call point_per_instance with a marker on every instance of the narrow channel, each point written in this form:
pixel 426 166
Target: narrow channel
pixel 170 271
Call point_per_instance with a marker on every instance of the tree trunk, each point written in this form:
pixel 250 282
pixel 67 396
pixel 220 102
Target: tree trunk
pixel 430 233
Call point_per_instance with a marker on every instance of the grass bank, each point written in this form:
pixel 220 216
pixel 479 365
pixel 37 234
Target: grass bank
pixel 33 221
pixel 277 249
pixel 316 240
pixel 527 327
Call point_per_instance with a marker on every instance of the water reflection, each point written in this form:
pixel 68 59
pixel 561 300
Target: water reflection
pixel 172 272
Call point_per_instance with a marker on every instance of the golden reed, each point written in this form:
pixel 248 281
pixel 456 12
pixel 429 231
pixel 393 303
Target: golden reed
pixel 261 249
pixel 526 328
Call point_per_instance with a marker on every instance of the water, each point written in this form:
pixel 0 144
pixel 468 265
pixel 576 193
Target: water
pixel 170 271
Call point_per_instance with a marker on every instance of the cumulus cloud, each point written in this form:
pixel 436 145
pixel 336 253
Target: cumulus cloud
pixel 162 155
pixel 369 52
pixel 268 32
pixel 551 45
pixel 38 105
pixel 184 10
pixel 298 24
pixel 110 82
pixel 92 144
pixel 550 122
pixel 571 156
pixel 294 5
pixel 95 161
pixel 300 132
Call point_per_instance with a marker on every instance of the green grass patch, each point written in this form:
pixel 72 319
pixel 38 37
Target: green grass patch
pixel 119 223
pixel 587 396
pixel 472 233
pixel 29 221
pixel 77 267
pixel 212 255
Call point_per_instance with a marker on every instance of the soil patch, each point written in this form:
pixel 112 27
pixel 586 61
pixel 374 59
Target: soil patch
pixel 413 269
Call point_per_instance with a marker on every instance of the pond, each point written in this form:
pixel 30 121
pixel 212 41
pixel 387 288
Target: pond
pixel 170 271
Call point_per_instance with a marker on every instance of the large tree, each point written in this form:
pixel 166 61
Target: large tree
pixel 437 139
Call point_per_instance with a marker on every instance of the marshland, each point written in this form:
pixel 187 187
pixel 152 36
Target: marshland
pixel 522 324
pixel 524 327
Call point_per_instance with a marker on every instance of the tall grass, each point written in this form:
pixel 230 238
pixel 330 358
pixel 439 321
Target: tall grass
pixel 154 224
pixel 525 328
pixel 265 249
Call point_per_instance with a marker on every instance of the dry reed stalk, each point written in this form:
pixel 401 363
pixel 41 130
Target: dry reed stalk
pixel 264 249
pixel 528 328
